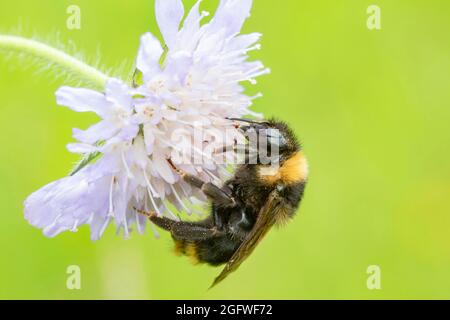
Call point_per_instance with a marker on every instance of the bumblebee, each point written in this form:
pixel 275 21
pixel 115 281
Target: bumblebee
pixel 245 208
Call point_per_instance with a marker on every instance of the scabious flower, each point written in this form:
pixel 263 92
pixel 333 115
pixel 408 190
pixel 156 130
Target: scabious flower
pixel 190 85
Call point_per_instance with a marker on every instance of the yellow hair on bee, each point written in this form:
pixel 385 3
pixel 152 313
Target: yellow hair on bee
pixel 187 249
pixel 293 170
pixel 179 248
pixel 283 217
pixel 191 252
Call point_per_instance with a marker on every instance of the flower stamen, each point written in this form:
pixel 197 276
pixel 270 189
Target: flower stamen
pixel 111 190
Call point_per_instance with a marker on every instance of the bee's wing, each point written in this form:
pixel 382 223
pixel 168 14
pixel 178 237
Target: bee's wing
pixel 265 221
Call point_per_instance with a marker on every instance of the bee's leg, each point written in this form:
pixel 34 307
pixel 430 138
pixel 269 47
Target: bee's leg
pixel 185 230
pixel 182 230
pixel 220 196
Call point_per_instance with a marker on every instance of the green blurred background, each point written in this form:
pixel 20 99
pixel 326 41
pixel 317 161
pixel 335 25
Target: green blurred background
pixel 373 111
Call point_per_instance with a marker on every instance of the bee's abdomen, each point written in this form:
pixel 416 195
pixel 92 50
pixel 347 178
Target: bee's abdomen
pixel 188 249
pixel 214 251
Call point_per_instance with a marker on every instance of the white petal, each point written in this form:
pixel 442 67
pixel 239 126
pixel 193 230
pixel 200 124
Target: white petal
pixel 169 114
pixel 169 14
pixel 178 66
pixel 149 55
pixel 163 168
pixel 83 198
pixel 55 229
pixel 103 130
pixel 98 226
pixel 160 188
pixel 189 34
pixel 242 42
pixel 119 93
pixel 149 138
pixel 121 199
pixel 63 205
pixel 231 16
pixel 192 22
pixel 210 45
pixel 139 153
pixel 81 148
pixel 37 204
pixel 128 133
pixel 83 100
pixel 141 222
pixel 106 166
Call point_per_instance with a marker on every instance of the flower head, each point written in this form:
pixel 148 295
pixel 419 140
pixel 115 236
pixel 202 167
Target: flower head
pixel 191 86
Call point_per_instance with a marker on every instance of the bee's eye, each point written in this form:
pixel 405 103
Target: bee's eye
pixel 265 135
pixel 275 137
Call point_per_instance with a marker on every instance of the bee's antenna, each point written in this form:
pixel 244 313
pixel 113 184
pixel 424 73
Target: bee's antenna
pixel 174 167
pixel 248 121
pixel 242 120
pixel 145 213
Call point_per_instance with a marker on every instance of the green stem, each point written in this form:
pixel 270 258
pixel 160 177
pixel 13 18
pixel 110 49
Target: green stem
pixel 60 58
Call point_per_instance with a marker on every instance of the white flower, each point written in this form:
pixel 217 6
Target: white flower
pixel 195 89
pixel 115 107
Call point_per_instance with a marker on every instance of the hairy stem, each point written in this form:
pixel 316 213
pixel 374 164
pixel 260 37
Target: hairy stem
pixel 54 56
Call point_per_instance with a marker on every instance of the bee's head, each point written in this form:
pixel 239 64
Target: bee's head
pixel 271 134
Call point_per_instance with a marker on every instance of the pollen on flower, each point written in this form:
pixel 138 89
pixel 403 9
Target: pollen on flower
pixel 177 112
pixel 148 111
pixel 156 86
